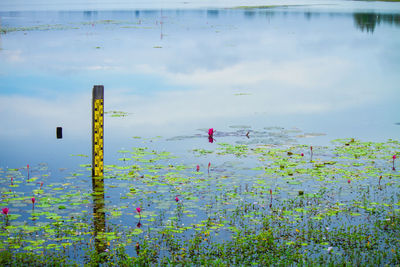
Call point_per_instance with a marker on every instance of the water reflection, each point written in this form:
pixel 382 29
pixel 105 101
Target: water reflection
pixel 363 21
pixel 212 13
pixel 368 21
pixel 99 215
pixel 283 66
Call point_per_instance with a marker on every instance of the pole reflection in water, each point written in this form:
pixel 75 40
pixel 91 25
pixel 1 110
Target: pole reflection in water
pixel 99 215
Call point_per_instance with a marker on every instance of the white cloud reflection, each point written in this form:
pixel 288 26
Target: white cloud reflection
pixel 258 70
pixel 23 116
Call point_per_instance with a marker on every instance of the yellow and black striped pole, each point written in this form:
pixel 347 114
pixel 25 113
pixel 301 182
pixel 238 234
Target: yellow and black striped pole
pixel 97 130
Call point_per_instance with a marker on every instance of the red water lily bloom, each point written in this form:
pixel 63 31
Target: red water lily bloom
pixel 197 168
pixel 33 200
pixel 176 199
pixel 211 132
pixel 138 209
pixel 5 211
pixel 211 135
pixel 349 181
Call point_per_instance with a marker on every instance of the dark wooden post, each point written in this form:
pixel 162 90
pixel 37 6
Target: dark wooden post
pixel 97 130
pixel 59 132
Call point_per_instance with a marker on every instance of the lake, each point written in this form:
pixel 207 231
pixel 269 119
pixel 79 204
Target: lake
pixel 271 80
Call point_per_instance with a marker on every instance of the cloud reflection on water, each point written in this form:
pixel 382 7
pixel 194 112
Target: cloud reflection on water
pixel 210 68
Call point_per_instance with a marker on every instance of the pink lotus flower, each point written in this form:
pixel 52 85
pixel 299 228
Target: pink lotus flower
pixel 394 157
pixel 5 211
pixel 197 168
pixel 176 199
pixel 33 200
pixel 348 181
pixel 302 154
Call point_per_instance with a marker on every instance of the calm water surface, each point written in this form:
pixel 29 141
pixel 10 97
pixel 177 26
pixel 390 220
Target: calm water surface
pixel 302 74
pixel 328 68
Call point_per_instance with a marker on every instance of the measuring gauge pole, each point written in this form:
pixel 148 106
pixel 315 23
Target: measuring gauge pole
pixel 97 130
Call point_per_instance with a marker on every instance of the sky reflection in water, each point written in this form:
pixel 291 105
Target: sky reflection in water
pixel 175 71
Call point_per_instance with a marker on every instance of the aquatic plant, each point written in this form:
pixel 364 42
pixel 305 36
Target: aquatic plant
pixel 394 157
pixel 210 132
pixel 33 202
pixel 138 210
pixel 227 218
pixel 211 135
pixel 5 211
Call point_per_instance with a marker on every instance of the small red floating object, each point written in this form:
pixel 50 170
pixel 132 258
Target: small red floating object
pixel 348 181
pixel 176 199
pixel 33 200
pixel 197 168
